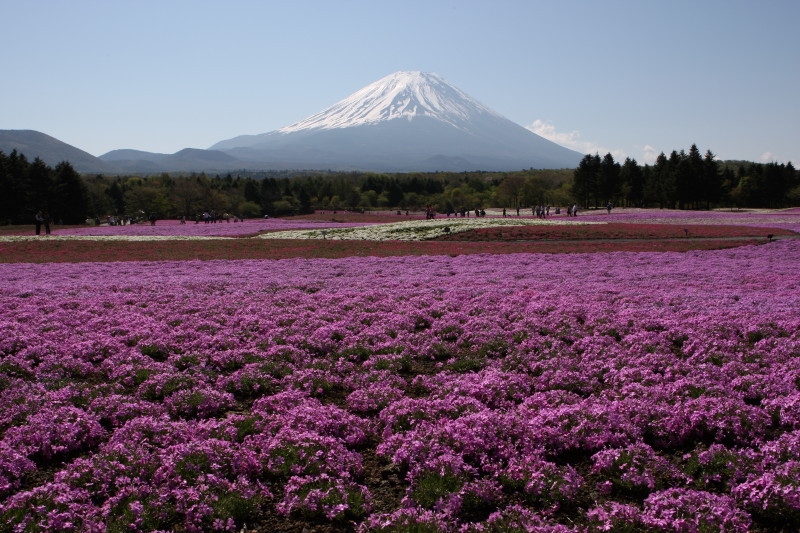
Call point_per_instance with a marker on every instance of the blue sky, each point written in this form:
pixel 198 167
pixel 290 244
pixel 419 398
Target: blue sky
pixel 633 78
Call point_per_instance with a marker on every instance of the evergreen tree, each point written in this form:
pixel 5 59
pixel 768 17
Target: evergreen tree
pixel 70 204
pixel 711 188
pixel 304 202
pixel 251 191
pixel 695 177
pixel 394 194
pixel 39 188
pixel 270 193
pixel 585 182
pixel 660 187
pixel 117 196
pixel 10 197
pixel 609 181
pixel 728 184
pixel 631 178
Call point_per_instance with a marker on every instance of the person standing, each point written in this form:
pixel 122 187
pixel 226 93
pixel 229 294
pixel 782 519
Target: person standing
pixel 46 222
pixel 38 219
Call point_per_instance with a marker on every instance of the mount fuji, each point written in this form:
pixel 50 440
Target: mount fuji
pixel 407 121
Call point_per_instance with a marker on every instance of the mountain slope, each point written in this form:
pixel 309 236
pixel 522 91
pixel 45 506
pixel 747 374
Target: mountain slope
pixel 186 160
pixel 405 121
pixel 33 144
pixel 126 154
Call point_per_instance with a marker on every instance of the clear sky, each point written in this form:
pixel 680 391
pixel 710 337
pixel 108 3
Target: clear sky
pixel 630 77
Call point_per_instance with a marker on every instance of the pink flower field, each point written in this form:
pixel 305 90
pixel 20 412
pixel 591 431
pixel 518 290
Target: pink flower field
pixel 622 391
pixel 173 228
pixel 782 218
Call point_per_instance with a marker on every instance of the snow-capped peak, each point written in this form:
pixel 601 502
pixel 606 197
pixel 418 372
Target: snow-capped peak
pixel 404 94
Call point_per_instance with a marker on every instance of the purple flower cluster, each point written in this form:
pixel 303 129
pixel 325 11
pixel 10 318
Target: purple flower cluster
pixel 782 218
pixel 619 391
pixel 173 228
pixel 677 509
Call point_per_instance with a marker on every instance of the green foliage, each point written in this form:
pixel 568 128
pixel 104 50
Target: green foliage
pixel 684 180
pixel 236 506
pixel 433 486
pixel 249 209
pixel 157 353
pixel 467 364
pixel 244 427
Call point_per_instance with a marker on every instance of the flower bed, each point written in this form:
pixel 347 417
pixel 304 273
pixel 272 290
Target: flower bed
pixel 174 229
pixel 590 392
pixel 777 218
pixel 611 230
pixel 87 249
pixel 414 230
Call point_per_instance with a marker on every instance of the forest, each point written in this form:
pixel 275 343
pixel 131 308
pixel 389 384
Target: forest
pixel 684 181
pixel 680 180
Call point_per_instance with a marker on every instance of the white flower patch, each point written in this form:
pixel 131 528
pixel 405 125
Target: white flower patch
pixel 414 230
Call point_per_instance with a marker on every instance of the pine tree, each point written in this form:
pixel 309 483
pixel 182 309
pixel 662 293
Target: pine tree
pixel 609 182
pixel 712 180
pixel 71 201
pixel 117 196
pixel 10 194
pixel 660 185
pixel 631 179
pixel 586 180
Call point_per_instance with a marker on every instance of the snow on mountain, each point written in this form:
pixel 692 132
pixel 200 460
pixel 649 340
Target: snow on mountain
pixel 407 121
pixel 404 94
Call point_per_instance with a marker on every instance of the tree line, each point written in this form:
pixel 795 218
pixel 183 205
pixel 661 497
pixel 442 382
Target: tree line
pixel 30 186
pixel 684 181
pixel 680 180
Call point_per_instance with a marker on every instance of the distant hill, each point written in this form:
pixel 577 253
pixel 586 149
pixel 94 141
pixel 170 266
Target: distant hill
pixel 132 155
pixel 33 144
pixel 186 160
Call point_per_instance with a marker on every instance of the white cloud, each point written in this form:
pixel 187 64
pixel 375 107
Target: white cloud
pixel 649 155
pixel 769 157
pixel 572 140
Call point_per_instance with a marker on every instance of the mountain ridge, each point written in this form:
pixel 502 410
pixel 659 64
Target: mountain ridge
pixel 52 151
pixel 404 122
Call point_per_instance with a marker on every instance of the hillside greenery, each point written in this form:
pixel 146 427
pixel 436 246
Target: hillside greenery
pixel 681 180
